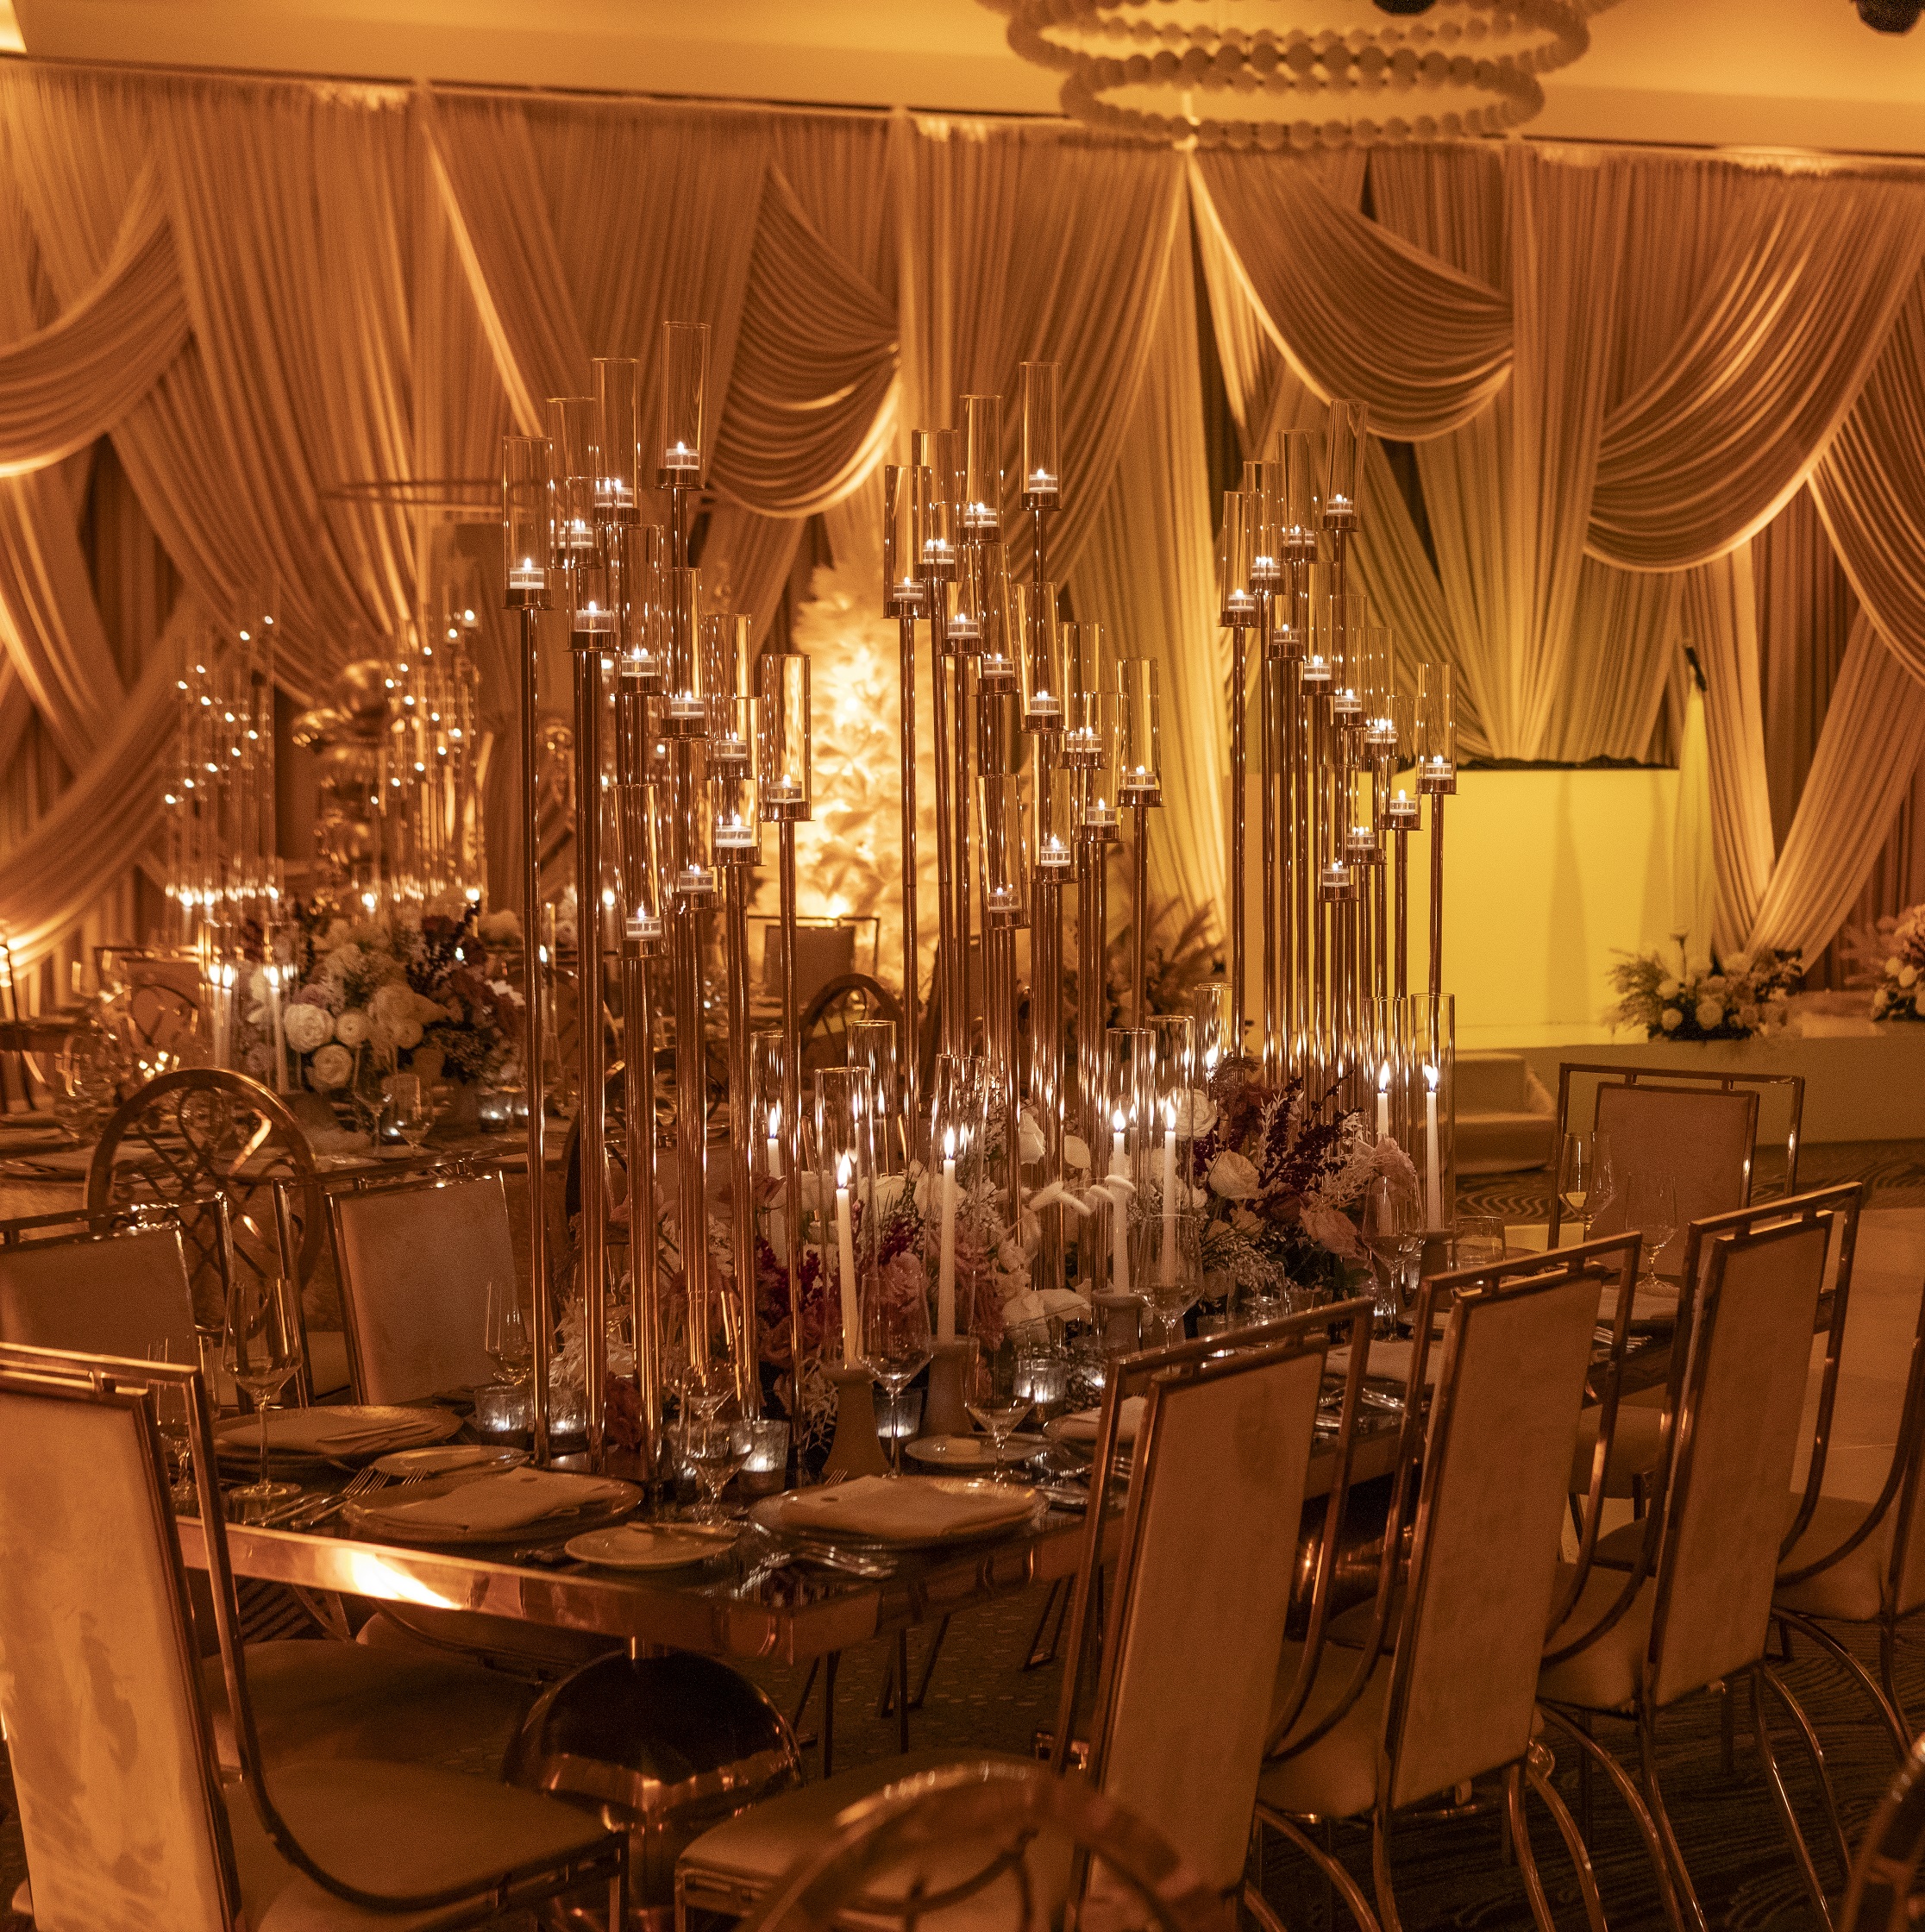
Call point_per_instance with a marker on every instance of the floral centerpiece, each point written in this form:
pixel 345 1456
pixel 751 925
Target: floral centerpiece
pixel 1900 992
pixel 1727 1000
pixel 401 991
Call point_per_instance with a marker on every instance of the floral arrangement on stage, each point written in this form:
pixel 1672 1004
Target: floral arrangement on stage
pixel 1734 1000
pixel 417 992
pixel 1900 992
pixel 1281 1187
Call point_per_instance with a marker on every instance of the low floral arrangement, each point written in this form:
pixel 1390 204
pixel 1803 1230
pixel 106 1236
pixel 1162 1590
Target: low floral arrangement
pixel 419 992
pixel 1727 1000
pixel 1900 992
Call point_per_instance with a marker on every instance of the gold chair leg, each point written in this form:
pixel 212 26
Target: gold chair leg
pixel 1889 1713
pixel 1380 1870
pixel 1626 1786
pixel 1327 1863
pixel 1888 1672
pixel 1574 1842
pixel 1685 1891
pixel 617 1895
pixel 1774 1780
pixel 1526 1859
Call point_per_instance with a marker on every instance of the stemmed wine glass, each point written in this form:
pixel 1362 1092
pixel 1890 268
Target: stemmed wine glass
pixel 1166 1264
pixel 715 1450
pixel 412 1108
pixel 896 1343
pixel 262 1350
pixel 1651 1206
pixel 170 1418
pixel 990 1393
pixel 1391 1234
pixel 505 1337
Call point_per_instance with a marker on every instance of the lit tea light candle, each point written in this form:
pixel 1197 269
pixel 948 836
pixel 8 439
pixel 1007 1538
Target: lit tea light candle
pixel 945 1263
pixel 1434 1178
pixel 528 576
pixel 775 1144
pixel 679 457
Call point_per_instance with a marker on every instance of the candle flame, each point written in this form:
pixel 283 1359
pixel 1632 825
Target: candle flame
pixel 1431 1075
pixel 1116 1120
pixel 949 1144
pixel 1170 1113
pixel 845 1166
pixel 774 1121
pixel 1383 1078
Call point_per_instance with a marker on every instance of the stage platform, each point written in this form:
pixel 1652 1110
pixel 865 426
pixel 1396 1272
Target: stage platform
pixel 1864 1080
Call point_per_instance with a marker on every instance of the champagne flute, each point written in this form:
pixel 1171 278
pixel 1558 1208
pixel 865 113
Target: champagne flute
pixel 1577 1174
pixel 505 1336
pixel 990 1393
pixel 262 1350
pixel 412 1108
pixel 896 1343
pixel 1651 1206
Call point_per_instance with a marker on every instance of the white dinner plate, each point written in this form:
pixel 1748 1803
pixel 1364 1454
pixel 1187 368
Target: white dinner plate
pixel 776 1513
pixel 652 1546
pixel 476 1459
pixel 971 1451
pixel 368 1517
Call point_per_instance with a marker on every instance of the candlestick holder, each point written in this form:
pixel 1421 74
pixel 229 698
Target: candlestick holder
pixel 856 1448
pixel 845 1183
pixel 1437 780
pixel 906 505
pixel 1416 1038
pixel 1139 786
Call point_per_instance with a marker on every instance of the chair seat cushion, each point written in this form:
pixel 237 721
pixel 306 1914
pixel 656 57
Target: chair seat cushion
pixel 1851 1590
pixel 1337 1776
pixel 341 1700
pixel 1636 1441
pixel 328 1361
pixel 1604 1675
pixel 734 1866
pixel 394 1829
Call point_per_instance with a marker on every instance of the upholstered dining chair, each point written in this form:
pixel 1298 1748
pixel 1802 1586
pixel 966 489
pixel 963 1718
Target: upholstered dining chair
pixel 1854 1562
pixel 1385 1715
pixel 1002 1806
pixel 1195 1624
pixel 122 1809
pixel 114 1283
pixel 1700 1129
pixel 416 1259
pixel 1882 1895
pixel 1680 1602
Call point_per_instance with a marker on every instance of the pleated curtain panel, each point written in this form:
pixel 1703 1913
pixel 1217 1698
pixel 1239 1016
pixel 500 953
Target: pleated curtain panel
pixel 1616 371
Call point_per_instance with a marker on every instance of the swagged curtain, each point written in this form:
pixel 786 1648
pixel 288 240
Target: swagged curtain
pixel 1617 371
pixel 262 291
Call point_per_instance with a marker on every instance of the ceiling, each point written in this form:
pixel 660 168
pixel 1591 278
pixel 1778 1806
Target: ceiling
pixel 1797 73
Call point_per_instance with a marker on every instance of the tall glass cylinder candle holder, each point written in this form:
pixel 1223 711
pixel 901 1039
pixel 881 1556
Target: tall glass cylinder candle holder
pixel 640 554
pixel 639 865
pixel 1096 737
pixel 982 465
pixel 1263 525
pixel 1415 1036
pixel 576 436
pixel 1138 733
pixel 734 823
pixel 1006 871
pixel 940 453
pixel 1349 423
pixel 846 1219
pixel 1042 462
pixel 684 711
pixel 1057 815
pixel 782 760
pixel 905 502
pixel 683 426
pixel 619 392
pixel 1236 602
pixel 952 1245
pixel 725 642
pixel 593 617
pixel 873 1045
pixel 1004 613
pixel 1436 729
pixel 768 1137
pixel 527 521
pixel 1346 629
pixel 1214 1042
pixel 1043 666
pixel 1177 1104
pixel 1089 674
pixel 691 875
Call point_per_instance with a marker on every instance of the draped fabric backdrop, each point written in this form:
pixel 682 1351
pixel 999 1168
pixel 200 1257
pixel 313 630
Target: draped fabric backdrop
pixel 1651 400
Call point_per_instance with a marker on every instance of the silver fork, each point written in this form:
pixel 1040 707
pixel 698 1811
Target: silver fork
pixel 359 1484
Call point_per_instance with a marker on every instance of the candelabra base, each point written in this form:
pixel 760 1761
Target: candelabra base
pixel 943 1410
pixel 857 1449
pixel 1433 1253
pixel 1121 1320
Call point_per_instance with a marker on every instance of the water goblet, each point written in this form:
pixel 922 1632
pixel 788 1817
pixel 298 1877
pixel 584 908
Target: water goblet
pixel 1576 1175
pixel 1166 1265
pixel 262 1350
pixel 896 1341
pixel 715 1450
pixel 1390 1235
pixel 170 1419
pixel 993 1397
pixel 1480 1241
pixel 412 1108
pixel 504 1334
pixel 1651 1206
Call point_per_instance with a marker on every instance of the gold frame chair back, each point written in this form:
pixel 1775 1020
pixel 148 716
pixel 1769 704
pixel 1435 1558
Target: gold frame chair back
pixel 111 1285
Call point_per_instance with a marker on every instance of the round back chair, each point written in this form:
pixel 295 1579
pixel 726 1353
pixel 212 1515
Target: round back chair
pixel 844 999
pixel 1879 1897
pixel 199 1135
pixel 943 1838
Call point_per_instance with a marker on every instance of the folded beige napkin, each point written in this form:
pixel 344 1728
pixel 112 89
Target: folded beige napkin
pixel 1390 1362
pixel 907 1508
pixel 1081 1427
pixel 336 1432
pixel 512 1500
pixel 1658 1304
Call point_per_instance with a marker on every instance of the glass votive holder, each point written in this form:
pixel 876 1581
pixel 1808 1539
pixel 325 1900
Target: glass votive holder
pixel 898 1416
pixel 501 1408
pixel 765 1469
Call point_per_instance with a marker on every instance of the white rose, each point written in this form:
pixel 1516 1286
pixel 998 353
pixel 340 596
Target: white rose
pixel 1195 1114
pixel 1715 983
pixel 351 1029
pixel 1076 1151
pixel 1711 1014
pixel 1880 1000
pixel 500 930
pixel 334 1067
pixel 1739 966
pixel 308 1027
pixel 1667 989
pixel 1748 1017
pixel 392 1003
pixel 408 1034
pixel 1670 1020
pixel 1908 977
pixel 1233 1176
pixel 1030 1138
pixel 1892 966
pixel 428 1011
